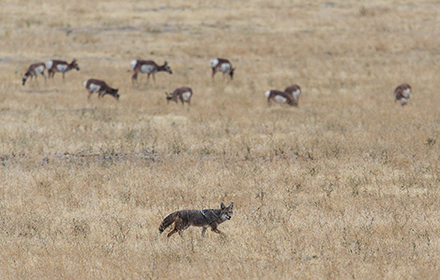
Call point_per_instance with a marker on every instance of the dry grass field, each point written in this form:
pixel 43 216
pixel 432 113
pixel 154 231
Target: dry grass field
pixel 345 186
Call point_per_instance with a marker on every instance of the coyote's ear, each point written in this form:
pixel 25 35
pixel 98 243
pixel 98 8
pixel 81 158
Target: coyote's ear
pixel 222 206
pixel 232 205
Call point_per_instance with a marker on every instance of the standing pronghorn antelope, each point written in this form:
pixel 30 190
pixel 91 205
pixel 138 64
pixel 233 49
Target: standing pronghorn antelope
pixel 222 65
pixel 280 97
pixel 34 70
pixel 183 94
pixel 149 67
pixel 94 85
pixel 295 91
pixel 60 66
pixel 402 93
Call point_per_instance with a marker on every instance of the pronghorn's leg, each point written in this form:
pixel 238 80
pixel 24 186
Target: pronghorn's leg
pixel 134 77
pixel 63 76
pixel 213 72
pixel 45 79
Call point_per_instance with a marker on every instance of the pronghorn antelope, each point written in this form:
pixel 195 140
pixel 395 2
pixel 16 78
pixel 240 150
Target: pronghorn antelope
pixel 60 66
pixel 295 91
pixel 94 85
pixel 149 67
pixel 34 70
pixel 280 97
pixel 222 65
pixel 402 93
pixel 183 94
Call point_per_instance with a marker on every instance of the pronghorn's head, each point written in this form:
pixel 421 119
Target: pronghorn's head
pixel 25 77
pixel 226 212
pixel 74 64
pixel 114 93
pixel 170 96
pixel 166 68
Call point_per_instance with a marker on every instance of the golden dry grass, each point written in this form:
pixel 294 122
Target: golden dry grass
pixel 344 186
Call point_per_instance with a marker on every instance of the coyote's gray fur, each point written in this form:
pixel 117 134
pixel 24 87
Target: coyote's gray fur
pixel 200 218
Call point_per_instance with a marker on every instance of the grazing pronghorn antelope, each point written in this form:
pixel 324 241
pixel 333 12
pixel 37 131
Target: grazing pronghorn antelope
pixel 60 66
pixel 183 94
pixel 222 65
pixel 149 67
pixel 295 91
pixel 402 93
pixel 280 97
pixel 94 85
pixel 34 70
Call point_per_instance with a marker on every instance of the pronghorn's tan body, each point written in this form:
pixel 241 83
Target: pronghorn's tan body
pixel 99 86
pixel 148 67
pixel 34 70
pixel 183 94
pixel 60 66
pixel 289 96
pixel 402 93
pixel 295 91
pixel 221 65
pixel 280 97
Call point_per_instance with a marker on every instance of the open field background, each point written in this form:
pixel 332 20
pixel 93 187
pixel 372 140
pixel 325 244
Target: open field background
pixel 344 186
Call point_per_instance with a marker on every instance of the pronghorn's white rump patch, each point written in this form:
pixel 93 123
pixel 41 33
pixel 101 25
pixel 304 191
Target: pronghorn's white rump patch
pixel 61 67
pixel 133 64
pixel 213 62
pixel 296 93
pixel 186 95
pixel 267 94
pixel 406 92
pixel 147 68
pixel 94 88
pixel 49 64
pixel 280 99
pixel 85 84
pixel 225 67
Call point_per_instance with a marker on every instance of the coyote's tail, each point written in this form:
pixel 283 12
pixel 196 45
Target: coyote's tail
pixel 167 221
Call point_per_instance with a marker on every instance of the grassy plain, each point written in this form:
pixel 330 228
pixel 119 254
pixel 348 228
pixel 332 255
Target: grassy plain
pixel 344 186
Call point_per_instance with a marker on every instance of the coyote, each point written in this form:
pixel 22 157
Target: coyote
pixel 200 218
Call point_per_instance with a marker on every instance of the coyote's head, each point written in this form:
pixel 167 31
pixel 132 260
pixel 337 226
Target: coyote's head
pixel 226 212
